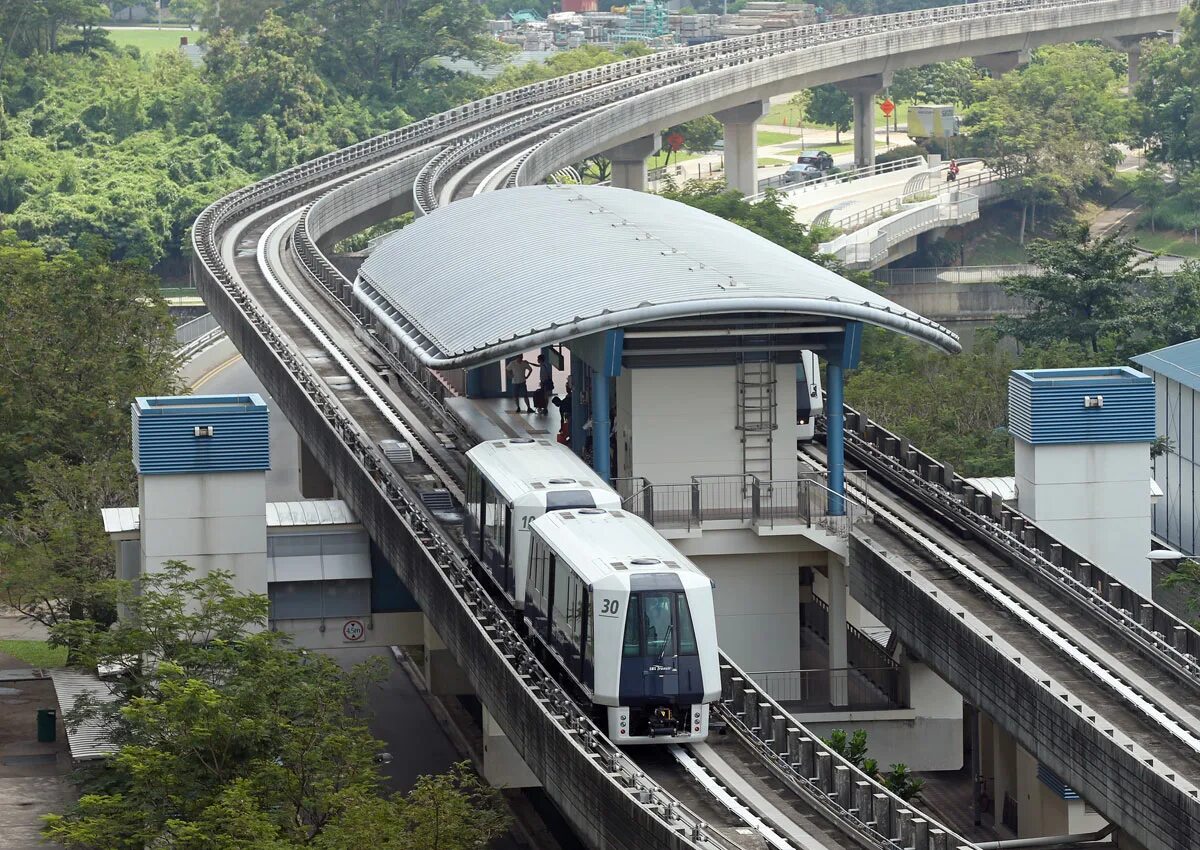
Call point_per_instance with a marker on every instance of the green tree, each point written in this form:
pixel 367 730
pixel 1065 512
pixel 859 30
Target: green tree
pixel 229 738
pixel 944 82
pixel 1048 129
pixel 768 217
pixel 700 135
pixel 1168 98
pixel 1083 294
pixel 832 106
pixel 80 337
pixel 1150 188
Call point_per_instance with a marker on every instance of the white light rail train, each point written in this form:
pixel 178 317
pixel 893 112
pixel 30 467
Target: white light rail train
pixel 626 617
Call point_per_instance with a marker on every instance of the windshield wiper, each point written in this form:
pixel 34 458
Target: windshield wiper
pixel 666 641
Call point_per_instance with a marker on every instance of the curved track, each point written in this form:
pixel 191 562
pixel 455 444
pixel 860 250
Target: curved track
pixel 254 245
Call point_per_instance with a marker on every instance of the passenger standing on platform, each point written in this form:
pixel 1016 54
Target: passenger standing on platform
pixel 545 383
pixel 519 371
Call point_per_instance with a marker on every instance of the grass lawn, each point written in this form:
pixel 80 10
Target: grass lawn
pixel 833 150
pixel 784 114
pixel 766 162
pixel 151 41
pixel 36 653
pixel 771 137
pixel 1169 242
pixel 660 158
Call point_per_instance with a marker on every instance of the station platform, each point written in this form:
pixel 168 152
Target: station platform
pixel 496 418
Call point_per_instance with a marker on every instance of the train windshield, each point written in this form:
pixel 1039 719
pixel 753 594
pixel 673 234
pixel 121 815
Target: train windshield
pixel 659 624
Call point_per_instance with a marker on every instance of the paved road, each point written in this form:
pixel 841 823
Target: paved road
pixel 234 376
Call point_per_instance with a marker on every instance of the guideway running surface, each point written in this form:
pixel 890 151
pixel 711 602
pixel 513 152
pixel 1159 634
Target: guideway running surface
pixel 1128 758
pixel 320 402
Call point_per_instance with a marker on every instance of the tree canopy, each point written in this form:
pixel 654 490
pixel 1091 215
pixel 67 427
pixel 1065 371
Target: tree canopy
pixel 229 738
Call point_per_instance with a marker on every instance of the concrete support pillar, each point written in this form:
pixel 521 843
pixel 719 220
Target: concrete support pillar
pixel 314 483
pixel 839 656
pixel 443 676
pixel 601 427
pixel 1000 64
pixel 863 90
pixel 503 766
pixel 741 144
pixel 484 381
pixel 629 162
pixel 1134 55
pixel 836 446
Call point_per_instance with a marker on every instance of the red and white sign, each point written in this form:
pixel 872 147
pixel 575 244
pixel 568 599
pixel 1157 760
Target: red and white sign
pixel 354 630
pixel 887 108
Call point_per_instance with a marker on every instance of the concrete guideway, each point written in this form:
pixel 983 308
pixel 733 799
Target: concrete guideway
pixel 329 422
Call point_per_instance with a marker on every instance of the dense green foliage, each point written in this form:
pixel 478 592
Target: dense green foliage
pixel 229 738
pixel 831 106
pixel 1050 128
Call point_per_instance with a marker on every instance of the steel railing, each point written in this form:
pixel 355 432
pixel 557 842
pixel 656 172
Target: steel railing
pixel 190 332
pixel 848 176
pixel 827 689
pixel 741 500
pixel 953 274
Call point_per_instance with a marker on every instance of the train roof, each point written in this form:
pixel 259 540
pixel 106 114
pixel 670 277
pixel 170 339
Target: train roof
pixel 517 467
pixel 599 543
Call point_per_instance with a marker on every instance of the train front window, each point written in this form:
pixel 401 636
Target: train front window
pixel 687 635
pixel 633 639
pixel 659 623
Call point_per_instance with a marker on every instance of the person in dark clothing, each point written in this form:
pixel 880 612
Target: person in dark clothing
pixel 545 382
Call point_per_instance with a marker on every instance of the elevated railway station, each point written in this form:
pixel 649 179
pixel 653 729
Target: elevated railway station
pixel 687 343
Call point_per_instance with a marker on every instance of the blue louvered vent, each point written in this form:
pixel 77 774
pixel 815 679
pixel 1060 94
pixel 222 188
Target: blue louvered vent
pixel 1055 783
pixel 213 433
pixel 1105 405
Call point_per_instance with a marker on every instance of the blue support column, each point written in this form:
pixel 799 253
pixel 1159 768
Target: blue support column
pixel 835 421
pixel 601 426
pixel 841 358
pixel 484 381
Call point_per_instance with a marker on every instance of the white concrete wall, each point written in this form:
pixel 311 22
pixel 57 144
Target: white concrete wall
pixel 676 423
pixel 1095 498
pixel 758 608
pixel 213 520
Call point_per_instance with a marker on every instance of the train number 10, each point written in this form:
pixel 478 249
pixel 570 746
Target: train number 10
pixel 609 607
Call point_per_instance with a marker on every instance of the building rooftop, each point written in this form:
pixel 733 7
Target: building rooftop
pixel 504 272
pixel 311 512
pixel 1180 363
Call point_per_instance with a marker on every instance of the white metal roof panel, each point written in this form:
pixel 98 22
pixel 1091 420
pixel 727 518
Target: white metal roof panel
pixel 309 512
pixel 88 740
pixel 516 466
pixel 121 520
pixel 592 541
pixel 502 271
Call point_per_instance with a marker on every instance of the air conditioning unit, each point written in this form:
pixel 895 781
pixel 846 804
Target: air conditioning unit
pixel 1093 401
pixel 204 431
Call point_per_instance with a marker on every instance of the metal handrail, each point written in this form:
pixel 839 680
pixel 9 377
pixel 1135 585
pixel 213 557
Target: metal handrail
pixel 849 176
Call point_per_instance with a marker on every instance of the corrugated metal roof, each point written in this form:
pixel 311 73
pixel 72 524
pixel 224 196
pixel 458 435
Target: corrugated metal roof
pixel 1005 488
pixel 1179 362
pixel 88 740
pixel 279 515
pixel 309 512
pixel 506 271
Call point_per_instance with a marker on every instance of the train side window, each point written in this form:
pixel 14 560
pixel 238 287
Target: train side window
pixel 687 635
pixel 633 642
pixel 497 513
pixel 474 493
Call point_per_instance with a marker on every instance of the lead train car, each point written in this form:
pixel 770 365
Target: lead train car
pixel 631 620
pixel 510 483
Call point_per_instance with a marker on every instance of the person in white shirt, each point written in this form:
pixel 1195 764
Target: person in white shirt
pixel 519 371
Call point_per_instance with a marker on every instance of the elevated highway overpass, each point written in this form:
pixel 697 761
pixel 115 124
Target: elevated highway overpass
pixel 258 253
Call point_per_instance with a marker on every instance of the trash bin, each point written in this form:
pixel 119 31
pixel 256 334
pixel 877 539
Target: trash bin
pixel 47 725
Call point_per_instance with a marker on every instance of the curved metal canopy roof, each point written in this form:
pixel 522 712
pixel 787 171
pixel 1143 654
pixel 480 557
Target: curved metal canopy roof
pixel 504 272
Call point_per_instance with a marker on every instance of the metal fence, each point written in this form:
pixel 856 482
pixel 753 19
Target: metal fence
pixel 190 332
pixel 832 689
pixel 778 181
pixel 954 274
pixel 742 499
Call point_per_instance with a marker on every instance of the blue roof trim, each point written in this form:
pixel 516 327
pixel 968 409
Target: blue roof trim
pixel 1180 362
pixel 1055 783
pixel 1046 406
pixel 165 441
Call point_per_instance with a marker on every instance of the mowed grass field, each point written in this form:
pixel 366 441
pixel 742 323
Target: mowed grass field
pixel 151 41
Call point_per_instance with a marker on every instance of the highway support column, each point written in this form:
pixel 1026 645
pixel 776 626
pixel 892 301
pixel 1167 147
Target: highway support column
pixel 839 653
pixel 863 90
pixel 503 766
pixel 629 162
pixel 741 144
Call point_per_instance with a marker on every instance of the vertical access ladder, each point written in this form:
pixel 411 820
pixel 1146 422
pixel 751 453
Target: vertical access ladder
pixel 756 415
